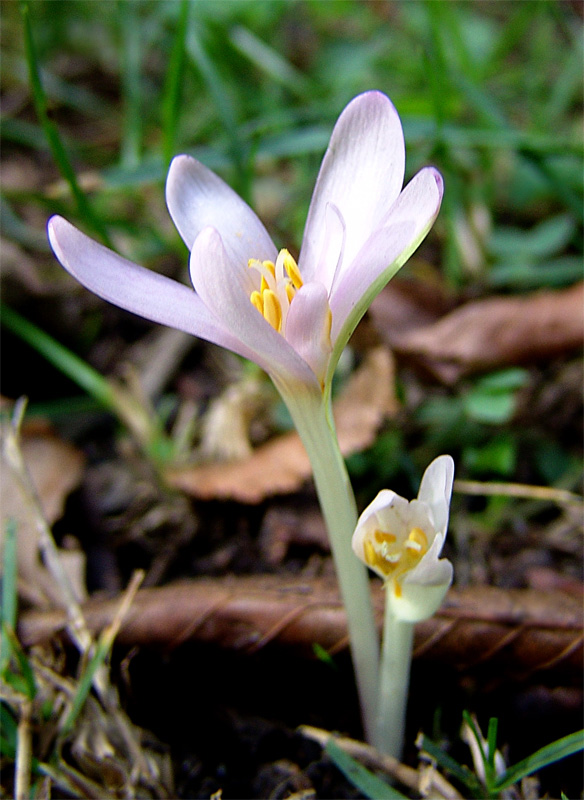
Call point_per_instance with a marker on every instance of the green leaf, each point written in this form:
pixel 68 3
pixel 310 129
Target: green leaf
pixel 492 399
pixel 543 240
pixel 542 758
pixel 368 783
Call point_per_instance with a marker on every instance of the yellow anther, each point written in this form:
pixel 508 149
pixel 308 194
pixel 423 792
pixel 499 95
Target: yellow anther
pixel 418 540
pixel 394 559
pixel 256 300
pixel 291 268
pixel 381 536
pixel 272 309
pixel 290 292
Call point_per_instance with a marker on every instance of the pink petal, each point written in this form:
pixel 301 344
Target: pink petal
pixel 419 202
pixel 308 327
pixel 136 289
pixel 362 174
pixel 225 287
pixel 198 198
pixel 350 298
pixel 405 226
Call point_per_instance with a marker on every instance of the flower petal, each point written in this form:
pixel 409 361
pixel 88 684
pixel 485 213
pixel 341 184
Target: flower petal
pixel 308 327
pixel 436 490
pixel 225 288
pixel 197 198
pixel 134 288
pixel 416 602
pixel 378 260
pixel 362 174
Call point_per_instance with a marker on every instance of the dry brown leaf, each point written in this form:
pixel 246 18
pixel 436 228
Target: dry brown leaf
pixel 55 468
pixel 281 465
pixel 495 332
pixel 483 629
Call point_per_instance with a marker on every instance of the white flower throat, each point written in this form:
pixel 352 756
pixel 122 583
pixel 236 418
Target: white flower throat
pixel 280 282
pixel 383 552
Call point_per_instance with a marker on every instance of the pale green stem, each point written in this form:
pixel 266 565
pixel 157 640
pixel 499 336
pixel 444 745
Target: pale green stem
pixel 394 679
pixel 313 421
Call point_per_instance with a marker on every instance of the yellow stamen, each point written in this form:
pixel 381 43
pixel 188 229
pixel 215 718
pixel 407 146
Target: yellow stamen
pixel 256 300
pixel 291 268
pixel 382 552
pixel 272 309
pixel 279 283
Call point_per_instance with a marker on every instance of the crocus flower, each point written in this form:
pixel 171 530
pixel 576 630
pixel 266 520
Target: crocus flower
pixel 293 319
pixel 401 541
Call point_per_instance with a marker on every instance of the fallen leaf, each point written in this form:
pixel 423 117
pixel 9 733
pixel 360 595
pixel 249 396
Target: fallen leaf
pixel 55 468
pixel 281 465
pixel 486 630
pixel 495 332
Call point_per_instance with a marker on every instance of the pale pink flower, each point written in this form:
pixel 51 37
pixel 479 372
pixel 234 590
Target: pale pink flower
pixel 292 320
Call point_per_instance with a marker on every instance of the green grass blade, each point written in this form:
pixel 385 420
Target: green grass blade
pixel 9 590
pixel 51 131
pixel 173 84
pixel 60 357
pixel 269 60
pixel 27 683
pixel 224 105
pixel 542 758
pixel 368 783
pixel 85 683
pixel 131 83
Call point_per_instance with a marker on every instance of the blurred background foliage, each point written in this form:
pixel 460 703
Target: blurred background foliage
pixel 97 97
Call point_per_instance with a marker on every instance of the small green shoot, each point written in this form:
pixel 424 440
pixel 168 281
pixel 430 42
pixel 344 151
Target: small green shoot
pixel 323 655
pixel 372 787
pixel 493 784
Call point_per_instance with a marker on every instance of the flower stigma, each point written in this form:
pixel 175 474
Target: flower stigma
pixel 279 284
pixel 382 552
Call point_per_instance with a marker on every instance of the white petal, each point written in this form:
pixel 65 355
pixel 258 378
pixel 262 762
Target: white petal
pixel 431 570
pixel 384 504
pixel 436 490
pixel 362 174
pixel 197 198
pixel 133 288
pixel 224 286
pixel 417 603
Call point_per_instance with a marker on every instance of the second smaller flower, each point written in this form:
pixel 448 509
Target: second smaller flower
pixel 402 541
